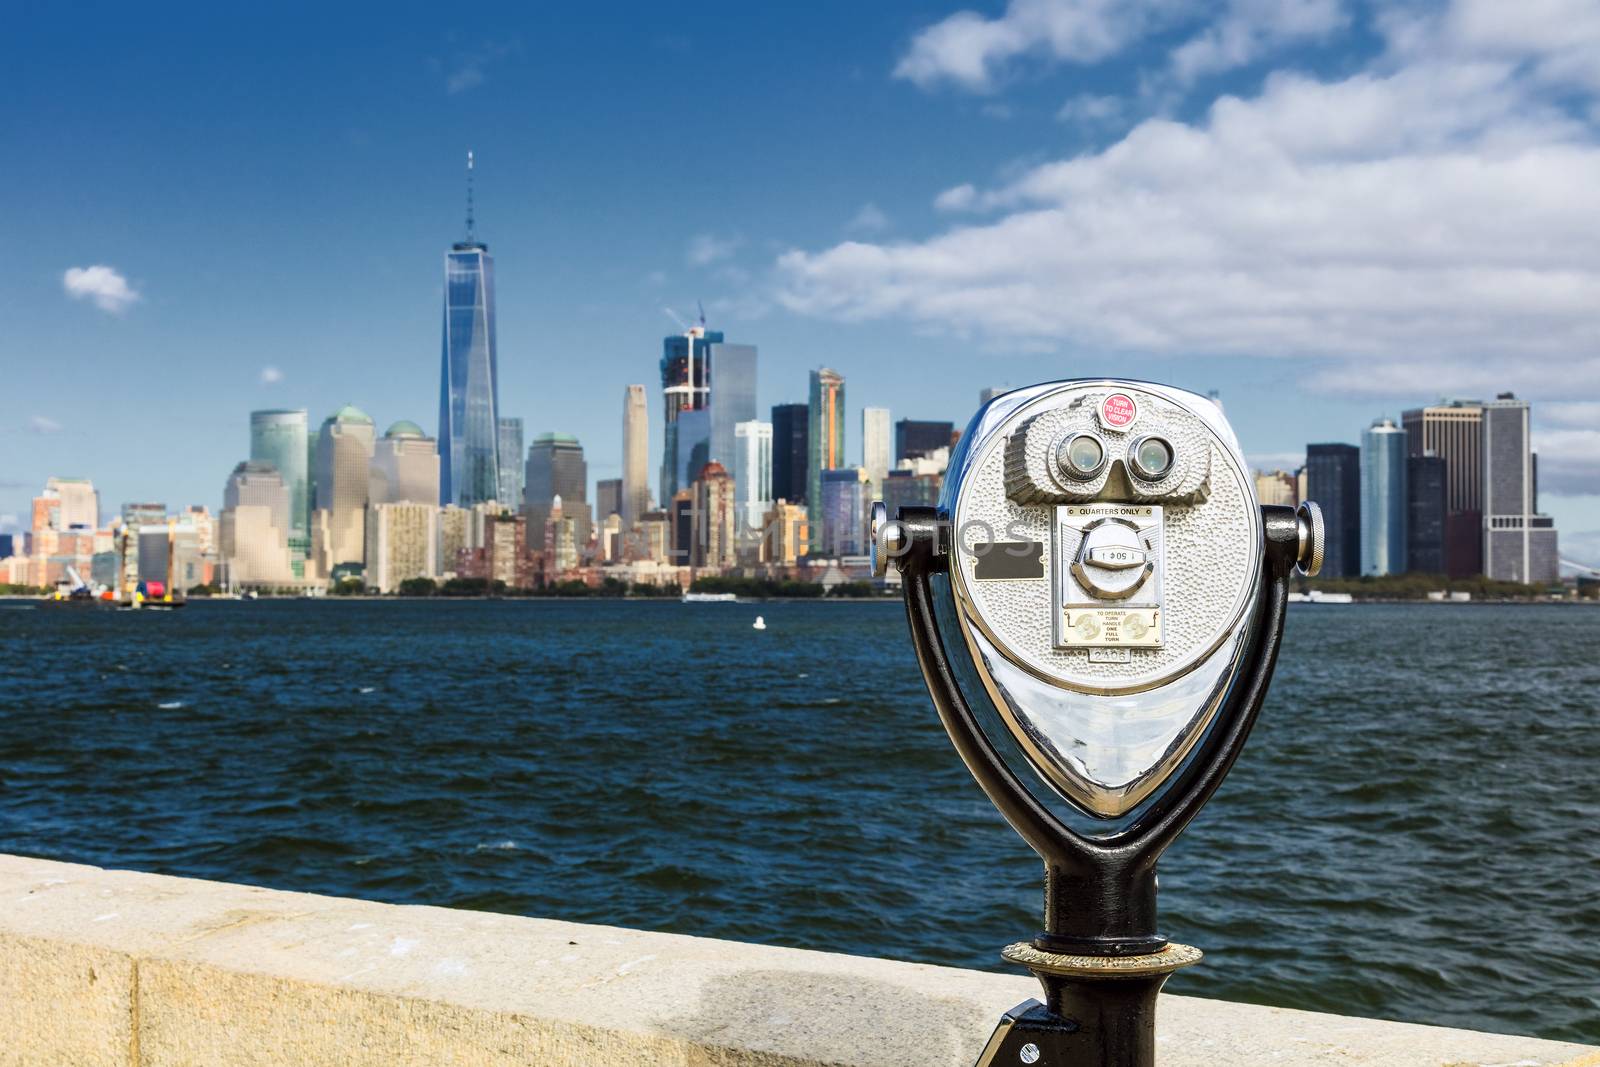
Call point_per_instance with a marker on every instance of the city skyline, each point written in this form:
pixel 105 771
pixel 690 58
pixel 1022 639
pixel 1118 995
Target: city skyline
pixel 353 506
pixel 375 521
pixel 168 264
pixel 1419 487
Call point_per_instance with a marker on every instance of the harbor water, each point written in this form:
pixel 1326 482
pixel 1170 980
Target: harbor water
pixel 1410 834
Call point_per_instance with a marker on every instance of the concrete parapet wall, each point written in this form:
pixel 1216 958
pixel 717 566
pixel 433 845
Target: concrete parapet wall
pixel 103 967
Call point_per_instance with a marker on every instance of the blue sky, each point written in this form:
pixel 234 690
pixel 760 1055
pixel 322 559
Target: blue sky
pixel 1327 210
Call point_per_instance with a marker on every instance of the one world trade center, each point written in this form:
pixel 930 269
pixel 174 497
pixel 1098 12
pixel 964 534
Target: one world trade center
pixel 469 377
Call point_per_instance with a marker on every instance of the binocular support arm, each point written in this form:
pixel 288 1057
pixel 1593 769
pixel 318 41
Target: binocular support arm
pixel 1100 894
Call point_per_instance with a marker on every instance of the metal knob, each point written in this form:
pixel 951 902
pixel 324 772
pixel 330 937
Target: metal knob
pixel 1313 538
pixel 888 539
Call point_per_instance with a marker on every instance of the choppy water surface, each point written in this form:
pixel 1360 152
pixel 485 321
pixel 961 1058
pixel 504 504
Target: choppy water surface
pixel 1412 832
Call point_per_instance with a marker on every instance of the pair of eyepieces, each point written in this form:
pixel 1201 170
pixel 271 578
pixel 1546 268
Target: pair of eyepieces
pixel 1083 456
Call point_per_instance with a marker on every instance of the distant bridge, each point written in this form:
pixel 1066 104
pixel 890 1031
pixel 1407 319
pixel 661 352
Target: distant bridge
pixel 1581 568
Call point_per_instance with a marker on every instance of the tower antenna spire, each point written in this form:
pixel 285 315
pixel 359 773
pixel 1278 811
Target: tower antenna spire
pixel 470 226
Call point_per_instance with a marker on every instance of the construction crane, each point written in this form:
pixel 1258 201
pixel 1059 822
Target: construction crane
pixel 73 589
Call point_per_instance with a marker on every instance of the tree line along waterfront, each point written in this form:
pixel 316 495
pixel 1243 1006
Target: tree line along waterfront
pixel 615 589
pixel 609 588
pixel 1425 587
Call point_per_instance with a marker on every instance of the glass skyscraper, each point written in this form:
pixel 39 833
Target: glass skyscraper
pixel 556 468
pixel 685 388
pixel 919 438
pixel 280 438
pixel 635 456
pixel 691 448
pixel 1453 431
pixel 1427 496
pixel 405 467
pixel 791 451
pixel 510 492
pixel 826 440
pixel 752 472
pixel 844 508
pixel 1383 499
pixel 733 397
pixel 1519 543
pixel 875 444
pixel 1333 480
pixel 469 380
pixel 344 473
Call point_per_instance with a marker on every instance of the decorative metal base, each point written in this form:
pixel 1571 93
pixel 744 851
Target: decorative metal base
pixel 1102 1009
pixel 1166 961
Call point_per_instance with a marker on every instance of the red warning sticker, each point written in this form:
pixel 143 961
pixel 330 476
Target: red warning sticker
pixel 1118 411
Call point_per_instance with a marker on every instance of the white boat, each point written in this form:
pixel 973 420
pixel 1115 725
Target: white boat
pixel 760 623
pixel 1317 596
pixel 710 598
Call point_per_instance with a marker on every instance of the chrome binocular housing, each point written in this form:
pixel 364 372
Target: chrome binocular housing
pixel 1104 547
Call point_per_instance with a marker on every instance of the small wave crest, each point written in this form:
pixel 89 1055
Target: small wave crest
pixel 497 846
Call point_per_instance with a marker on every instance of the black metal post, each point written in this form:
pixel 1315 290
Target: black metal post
pixel 1100 957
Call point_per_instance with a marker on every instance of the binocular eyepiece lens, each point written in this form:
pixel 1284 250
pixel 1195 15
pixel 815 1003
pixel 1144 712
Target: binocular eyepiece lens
pixel 1151 457
pixel 1081 456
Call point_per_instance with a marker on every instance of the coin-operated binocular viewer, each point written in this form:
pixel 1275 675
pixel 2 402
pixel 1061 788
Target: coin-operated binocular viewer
pixel 1096 604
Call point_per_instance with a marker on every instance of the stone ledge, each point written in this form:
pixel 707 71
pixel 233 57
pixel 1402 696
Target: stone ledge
pixel 116 967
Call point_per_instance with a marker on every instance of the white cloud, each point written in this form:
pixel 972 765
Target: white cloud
pixel 870 219
pixel 1566 434
pixel 41 425
pixel 1090 110
pixel 970 50
pixel 960 198
pixel 103 285
pixel 271 375
pixel 1422 227
pixel 467 76
pixel 975 53
pixel 1559 37
pixel 1578 414
pixel 1249 29
pixel 1569 461
pixel 1581 547
pixel 1276 461
pixel 706 248
pixel 468 68
pixel 746 306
